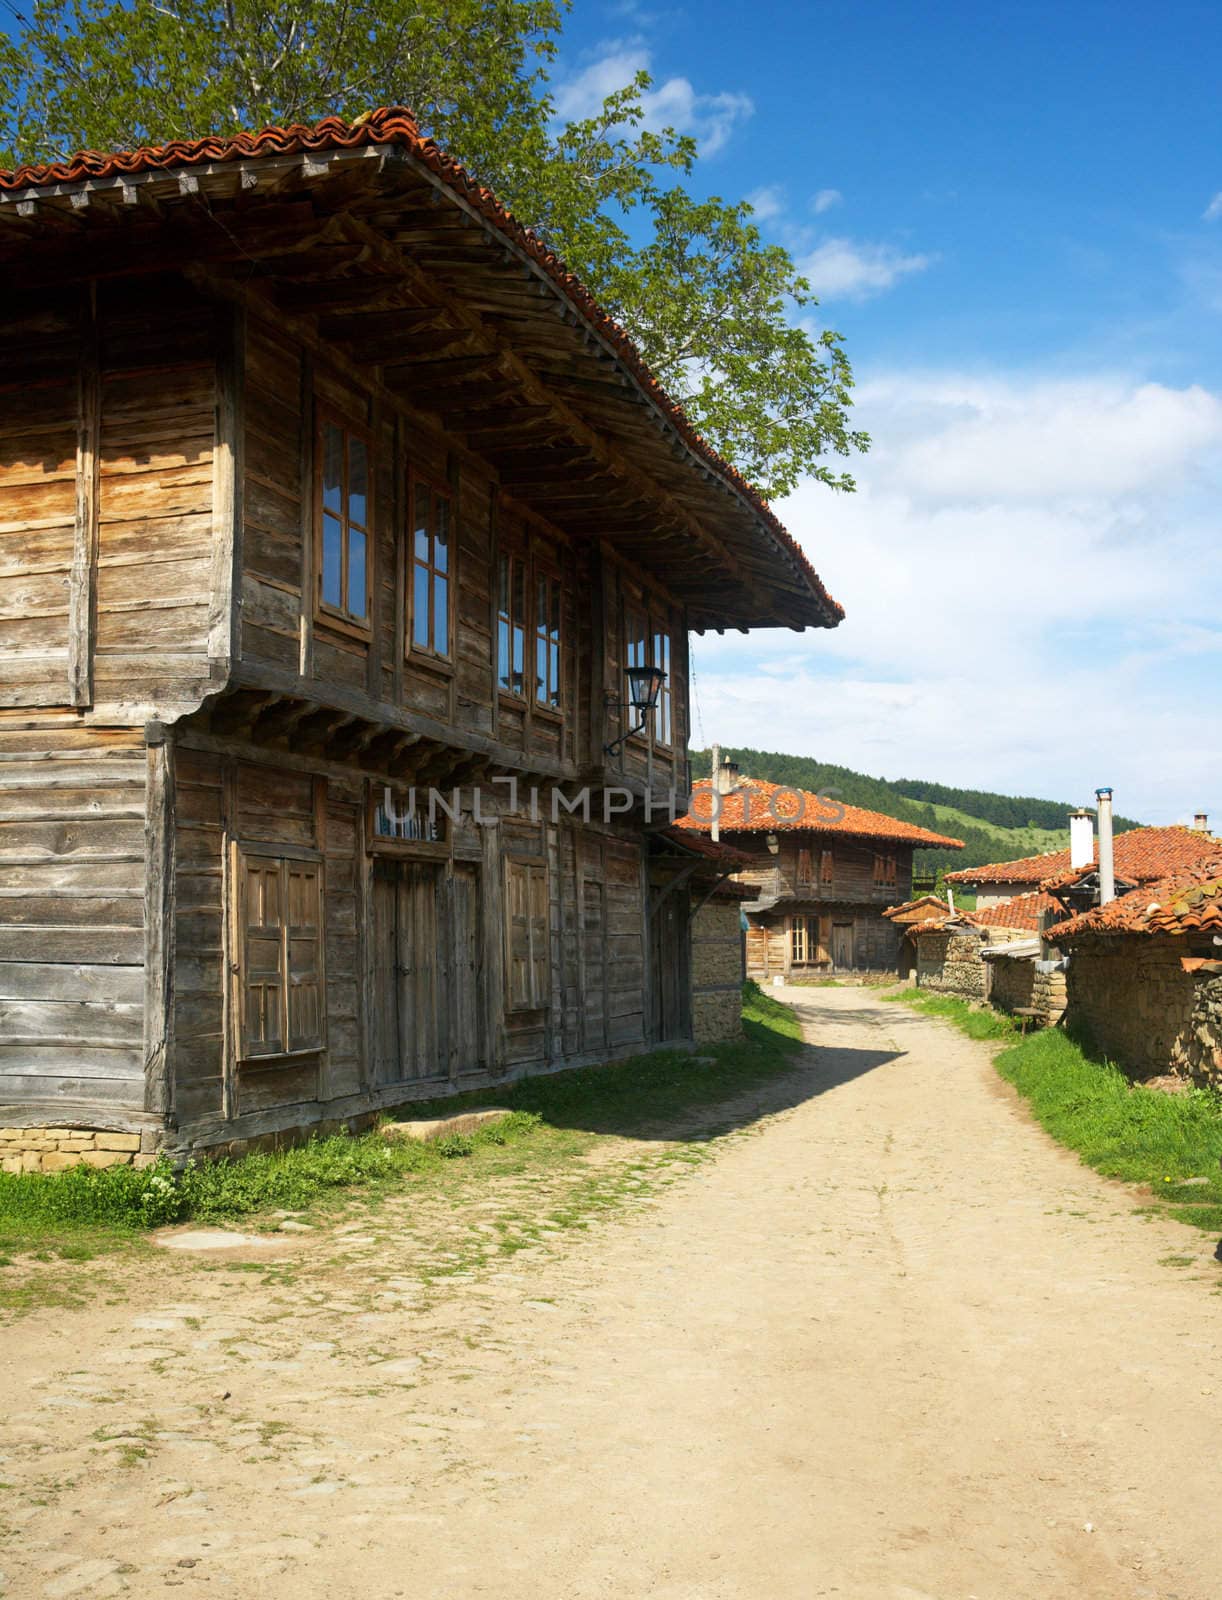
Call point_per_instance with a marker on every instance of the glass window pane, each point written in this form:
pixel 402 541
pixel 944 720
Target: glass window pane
pixel 422 522
pixel 420 606
pixel 502 653
pixel 358 481
pixel 519 665
pixel 519 594
pixel 357 600
pixel 441 615
pixel 541 671
pixel 502 586
pixel 554 650
pixel 332 559
pixel 441 530
pixel 332 467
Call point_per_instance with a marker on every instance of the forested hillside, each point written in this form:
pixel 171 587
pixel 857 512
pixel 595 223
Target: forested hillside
pixel 993 827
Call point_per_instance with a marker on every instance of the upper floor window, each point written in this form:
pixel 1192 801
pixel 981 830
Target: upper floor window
pixel 430 569
pixel 827 866
pixel 343 470
pixel 885 869
pixel 647 642
pixel 511 624
pixel 806 871
pixel 547 640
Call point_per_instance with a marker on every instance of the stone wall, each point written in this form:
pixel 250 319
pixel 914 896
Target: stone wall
pixel 1204 1043
pixel 717 971
pixel 950 964
pixel 53 1149
pixel 1134 1002
pixel 1017 983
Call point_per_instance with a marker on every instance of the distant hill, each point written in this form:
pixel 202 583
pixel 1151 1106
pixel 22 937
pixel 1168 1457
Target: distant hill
pixel 993 827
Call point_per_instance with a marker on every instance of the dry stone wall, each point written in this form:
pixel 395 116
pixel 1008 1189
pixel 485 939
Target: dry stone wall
pixel 1135 1002
pixel 717 972
pixel 53 1149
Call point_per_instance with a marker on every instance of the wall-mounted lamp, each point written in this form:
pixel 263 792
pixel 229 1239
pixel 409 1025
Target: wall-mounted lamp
pixel 644 687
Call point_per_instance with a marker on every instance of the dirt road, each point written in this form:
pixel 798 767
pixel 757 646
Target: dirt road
pixel 888 1343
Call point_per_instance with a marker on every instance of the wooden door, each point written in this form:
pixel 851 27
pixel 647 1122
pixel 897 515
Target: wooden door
pixel 593 998
pixel 413 975
pixel 842 944
pixel 671 956
pixel 467 1053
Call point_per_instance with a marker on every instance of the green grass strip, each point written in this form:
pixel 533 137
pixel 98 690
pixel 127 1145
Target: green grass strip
pixel 624 1098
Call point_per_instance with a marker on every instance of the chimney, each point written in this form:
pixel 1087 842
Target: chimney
pixel 1107 871
pixel 1201 822
pixel 1081 838
pixel 726 776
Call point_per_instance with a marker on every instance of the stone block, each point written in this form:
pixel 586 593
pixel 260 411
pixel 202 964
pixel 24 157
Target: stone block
pixel 439 1127
pixel 31 1161
pixel 58 1160
pixel 129 1142
pixel 106 1158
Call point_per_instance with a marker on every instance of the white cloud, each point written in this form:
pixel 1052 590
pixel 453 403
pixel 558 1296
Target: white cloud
pixel 974 439
pixel 852 270
pixel 825 200
pixel 1214 209
pixel 1032 579
pixel 767 203
pixel 674 103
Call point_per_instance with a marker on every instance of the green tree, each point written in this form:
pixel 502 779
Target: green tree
pixel 720 315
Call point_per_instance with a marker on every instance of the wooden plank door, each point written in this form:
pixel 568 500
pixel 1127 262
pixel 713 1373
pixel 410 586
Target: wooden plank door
pixel 466 1038
pixel 670 953
pixel 412 974
pixel 593 965
pixel 842 944
pixel 386 1067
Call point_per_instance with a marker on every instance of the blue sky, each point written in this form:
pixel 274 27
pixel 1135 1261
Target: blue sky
pixel 1006 210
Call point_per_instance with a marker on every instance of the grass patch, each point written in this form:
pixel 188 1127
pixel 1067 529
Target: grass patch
pixel 1167 1141
pixel 978 1022
pixel 551 1118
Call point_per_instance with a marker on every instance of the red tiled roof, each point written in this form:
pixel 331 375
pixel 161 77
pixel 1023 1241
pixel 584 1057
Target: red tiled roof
pixel 1141 855
pixel 761 807
pixel 715 851
pixel 1021 912
pixel 1188 901
pixel 395 125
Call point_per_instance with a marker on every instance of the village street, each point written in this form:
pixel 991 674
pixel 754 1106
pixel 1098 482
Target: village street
pixel 888 1344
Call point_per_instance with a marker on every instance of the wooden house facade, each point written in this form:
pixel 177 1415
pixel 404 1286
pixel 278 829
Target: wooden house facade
pixel 822 874
pixel 333 512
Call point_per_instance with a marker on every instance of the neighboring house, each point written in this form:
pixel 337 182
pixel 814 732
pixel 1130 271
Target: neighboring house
pixel 948 952
pixel 1145 975
pixel 822 874
pixel 322 482
pixel 1141 855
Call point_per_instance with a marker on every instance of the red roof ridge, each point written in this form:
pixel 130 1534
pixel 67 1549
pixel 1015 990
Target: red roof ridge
pixel 1142 853
pixel 397 125
pixel 757 811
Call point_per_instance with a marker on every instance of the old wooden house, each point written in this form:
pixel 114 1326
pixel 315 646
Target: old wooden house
pixel 325 489
pixel 822 874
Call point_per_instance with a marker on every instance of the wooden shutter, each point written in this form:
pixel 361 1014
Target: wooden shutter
pixel 526 930
pixel 827 866
pixel 303 955
pixel 281 960
pixel 263 972
pixel 805 872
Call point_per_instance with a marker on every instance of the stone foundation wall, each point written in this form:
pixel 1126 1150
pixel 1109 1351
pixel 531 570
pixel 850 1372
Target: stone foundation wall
pixel 53 1149
pixel 1204 1042
pixel 950 964
pixel 1135 1003
pixel 717 972
pixel 1017 983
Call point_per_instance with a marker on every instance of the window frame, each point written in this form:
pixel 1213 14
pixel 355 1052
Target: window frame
pixel 283 858
pixel 332 616
pixel 799 936
pixel 544 574
pixel 514 557
pixel 386 844
pixel 827 866
pixel 655 615
pixel 417 480
pixel 886 869
pixel 805 874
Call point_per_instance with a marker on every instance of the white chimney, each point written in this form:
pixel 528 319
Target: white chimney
pixel 726 776
pixel 1081 838
pixel 1107 870
pixel 1201 822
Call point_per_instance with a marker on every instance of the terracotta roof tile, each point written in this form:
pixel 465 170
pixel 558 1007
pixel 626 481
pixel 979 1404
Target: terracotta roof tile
pixel 1022 914
pixel 922 909
pixel 1188 901
pixel 395 125
pixel 1141 855
pixel 761 807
